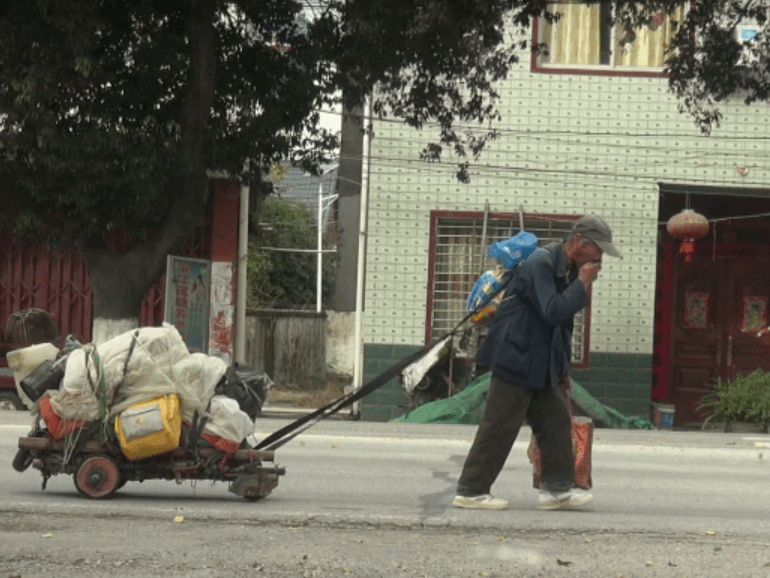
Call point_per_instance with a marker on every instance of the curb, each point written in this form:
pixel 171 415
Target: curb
pixel 284 412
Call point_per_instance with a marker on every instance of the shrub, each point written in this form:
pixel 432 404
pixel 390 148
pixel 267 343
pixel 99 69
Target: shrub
pixel 744 399
pixel 285 280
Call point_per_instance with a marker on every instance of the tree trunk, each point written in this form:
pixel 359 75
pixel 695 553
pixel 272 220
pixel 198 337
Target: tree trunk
pixel 119 282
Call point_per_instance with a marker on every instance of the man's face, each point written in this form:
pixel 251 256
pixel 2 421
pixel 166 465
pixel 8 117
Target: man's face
pixel 587 252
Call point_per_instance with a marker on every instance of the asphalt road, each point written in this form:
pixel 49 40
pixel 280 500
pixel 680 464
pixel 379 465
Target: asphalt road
pixel 372 499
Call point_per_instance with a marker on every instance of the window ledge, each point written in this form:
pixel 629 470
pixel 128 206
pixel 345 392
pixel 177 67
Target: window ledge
pixel 596 70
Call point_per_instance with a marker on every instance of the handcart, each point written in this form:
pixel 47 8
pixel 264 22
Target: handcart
pixel 100 466
pixel 141 407
pixel 100 469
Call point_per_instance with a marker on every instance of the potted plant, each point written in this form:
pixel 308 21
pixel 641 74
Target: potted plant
pixel 745 399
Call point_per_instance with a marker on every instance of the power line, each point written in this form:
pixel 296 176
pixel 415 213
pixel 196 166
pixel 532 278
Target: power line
pixel 499 171
pixel 511 129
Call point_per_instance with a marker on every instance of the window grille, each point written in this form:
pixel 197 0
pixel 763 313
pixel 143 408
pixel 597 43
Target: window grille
pixel 461 245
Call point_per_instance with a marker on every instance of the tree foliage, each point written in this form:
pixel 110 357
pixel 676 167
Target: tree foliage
pixel 105 104
pixel 286 280
pixel 113 112
pixel 707 62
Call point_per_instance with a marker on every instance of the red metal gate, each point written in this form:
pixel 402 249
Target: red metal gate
pixel 56 281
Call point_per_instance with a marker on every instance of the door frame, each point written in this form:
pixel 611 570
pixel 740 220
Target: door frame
pixel 718 204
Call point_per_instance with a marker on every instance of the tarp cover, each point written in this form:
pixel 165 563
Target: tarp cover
pixel 158 363
pixel 466 408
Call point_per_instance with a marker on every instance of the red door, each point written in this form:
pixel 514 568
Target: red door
pixel 718 306
pixel 747 303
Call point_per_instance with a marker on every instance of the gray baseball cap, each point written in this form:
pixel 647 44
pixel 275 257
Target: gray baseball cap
pixel 596 229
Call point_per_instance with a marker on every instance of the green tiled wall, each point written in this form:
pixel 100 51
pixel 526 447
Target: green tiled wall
pixel 383 404
pixel 619 380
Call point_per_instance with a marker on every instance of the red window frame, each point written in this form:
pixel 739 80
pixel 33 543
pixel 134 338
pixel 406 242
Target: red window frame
pixel 597 71
pixel 442 214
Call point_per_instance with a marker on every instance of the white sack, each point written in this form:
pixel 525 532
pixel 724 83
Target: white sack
pixel 80 372
pixel 148 373
pixel 27 359
pixel 75 398
pixel 81 406
pixel 227 421
pixel 160 347
pixel 195 378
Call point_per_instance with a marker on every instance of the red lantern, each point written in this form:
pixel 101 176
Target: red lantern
pixel 688 226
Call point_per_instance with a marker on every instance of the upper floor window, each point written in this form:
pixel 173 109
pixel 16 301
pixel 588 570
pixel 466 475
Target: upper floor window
pixel 584 38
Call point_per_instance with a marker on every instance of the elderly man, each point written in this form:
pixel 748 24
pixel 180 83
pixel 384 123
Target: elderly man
pixel 528 351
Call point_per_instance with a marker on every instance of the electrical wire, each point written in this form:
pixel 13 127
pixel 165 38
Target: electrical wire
pixel 511 129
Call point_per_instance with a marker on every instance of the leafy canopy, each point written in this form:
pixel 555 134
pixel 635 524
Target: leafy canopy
pixel 109 107
pixel 106 104
pixel 707 62
pixel 284 279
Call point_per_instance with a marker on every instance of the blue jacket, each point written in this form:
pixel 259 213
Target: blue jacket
pixel 529 341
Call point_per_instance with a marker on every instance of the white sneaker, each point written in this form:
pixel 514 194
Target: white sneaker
pixel 483 502
pixel 563 500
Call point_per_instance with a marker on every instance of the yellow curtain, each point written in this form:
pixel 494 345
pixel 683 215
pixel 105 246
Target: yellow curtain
pixel 576 37
pixel 647 49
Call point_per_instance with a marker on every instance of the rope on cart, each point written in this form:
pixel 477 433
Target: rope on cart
pixel 71 440
pixel 99 388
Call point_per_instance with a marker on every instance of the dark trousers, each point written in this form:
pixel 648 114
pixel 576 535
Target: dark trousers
pixel 506 407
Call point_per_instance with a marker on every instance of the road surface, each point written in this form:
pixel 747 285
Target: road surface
pixel 371 499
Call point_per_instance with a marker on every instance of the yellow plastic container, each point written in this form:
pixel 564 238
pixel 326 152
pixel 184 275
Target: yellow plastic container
pixel 150 428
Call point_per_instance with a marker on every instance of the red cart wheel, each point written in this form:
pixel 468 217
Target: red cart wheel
pixel 98 477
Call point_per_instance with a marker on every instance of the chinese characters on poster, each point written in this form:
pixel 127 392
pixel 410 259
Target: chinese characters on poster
pixel 187 300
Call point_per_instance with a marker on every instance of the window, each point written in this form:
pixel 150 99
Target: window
pixel 583 38
pixel 459 242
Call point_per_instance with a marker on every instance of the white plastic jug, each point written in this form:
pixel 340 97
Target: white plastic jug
pixel 25 361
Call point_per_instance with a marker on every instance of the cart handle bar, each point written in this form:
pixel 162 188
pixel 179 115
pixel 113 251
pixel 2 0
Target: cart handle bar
pixel 292 430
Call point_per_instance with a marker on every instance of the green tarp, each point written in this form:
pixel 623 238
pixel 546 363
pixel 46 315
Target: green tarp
pixel 466 408
pixel 604 415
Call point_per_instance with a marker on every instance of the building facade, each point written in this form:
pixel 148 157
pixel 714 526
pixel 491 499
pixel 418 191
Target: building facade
pixel 593 128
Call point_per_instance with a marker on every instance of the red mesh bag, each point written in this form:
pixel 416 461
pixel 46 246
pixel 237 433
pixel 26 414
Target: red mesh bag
pixel 57 426
pixel 582 439
pixel 221 444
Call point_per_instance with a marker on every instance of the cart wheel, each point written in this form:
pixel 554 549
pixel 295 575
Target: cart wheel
pixel 22 460
pixel 98 477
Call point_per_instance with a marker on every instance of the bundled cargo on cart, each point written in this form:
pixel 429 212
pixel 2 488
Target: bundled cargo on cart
pixel 144 393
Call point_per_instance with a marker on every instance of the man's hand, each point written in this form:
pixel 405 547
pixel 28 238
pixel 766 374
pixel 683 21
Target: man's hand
pixel 565 383
pixel 589 272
